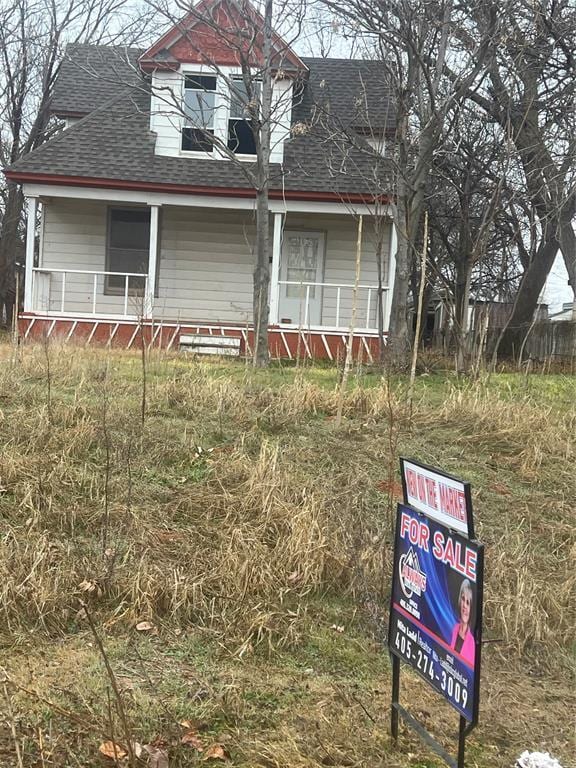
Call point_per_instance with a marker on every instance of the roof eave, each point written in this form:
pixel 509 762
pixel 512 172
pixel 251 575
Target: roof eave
pixel 23 177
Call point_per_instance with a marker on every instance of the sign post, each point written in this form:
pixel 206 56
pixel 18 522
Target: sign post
pixel 437 594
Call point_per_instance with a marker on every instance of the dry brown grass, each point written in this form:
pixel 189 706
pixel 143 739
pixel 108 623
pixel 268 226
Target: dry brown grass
pixel 232 539
pixel 531 587
pixel 282 507
pixel 279 514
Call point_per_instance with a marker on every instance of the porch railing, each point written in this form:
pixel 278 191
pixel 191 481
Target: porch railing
pixel 55 291
pixel 336 305
pixel 88 293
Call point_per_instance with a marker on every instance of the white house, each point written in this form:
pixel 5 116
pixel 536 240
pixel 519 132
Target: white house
pixel 135 217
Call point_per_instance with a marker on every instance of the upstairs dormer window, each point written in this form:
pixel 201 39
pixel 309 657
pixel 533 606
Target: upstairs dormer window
pixel 240 134
pixel 199 110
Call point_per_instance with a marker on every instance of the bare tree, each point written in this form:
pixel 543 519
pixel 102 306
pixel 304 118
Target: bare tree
pixel 467 196
pixel 414 43
pixel 530 93
pixel 33 34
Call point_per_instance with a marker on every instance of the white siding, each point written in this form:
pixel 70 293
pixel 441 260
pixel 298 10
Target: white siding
pixel 74 237
pixel 205 262
pixel 165 116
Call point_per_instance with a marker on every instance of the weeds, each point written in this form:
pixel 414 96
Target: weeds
pixel 274 508
pixel 277 514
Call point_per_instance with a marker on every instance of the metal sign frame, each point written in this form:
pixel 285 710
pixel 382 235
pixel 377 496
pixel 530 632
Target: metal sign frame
pixel 397 710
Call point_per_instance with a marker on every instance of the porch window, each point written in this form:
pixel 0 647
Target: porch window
pixel 199 108
pixel 127 250
pixel 240 135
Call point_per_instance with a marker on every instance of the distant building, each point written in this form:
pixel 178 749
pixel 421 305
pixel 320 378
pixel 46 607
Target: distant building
pixel 566 313
pixel 482 314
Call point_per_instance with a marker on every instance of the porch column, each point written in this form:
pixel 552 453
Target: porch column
pixel 275 271
pixel 152 259
pixel 32 205
pixel 391 273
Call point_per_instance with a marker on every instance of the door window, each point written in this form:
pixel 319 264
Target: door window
pixel 302 265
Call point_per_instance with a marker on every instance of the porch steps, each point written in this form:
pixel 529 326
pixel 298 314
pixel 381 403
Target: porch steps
pixel 202 344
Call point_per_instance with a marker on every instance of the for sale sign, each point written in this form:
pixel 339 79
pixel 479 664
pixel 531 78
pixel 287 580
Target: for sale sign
pixel 436 607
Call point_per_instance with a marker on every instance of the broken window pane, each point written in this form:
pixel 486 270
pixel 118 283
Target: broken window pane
pixel 240 134
pixel 199 107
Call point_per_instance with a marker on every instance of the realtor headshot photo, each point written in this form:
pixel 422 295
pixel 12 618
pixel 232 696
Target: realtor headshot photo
pixel 462 640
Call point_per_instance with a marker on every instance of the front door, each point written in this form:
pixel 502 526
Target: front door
pixel 301 269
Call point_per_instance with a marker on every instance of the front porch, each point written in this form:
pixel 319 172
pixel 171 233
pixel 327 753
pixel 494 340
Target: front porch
pixel 91 277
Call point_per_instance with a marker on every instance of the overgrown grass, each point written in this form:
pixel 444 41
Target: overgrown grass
pixel 244 526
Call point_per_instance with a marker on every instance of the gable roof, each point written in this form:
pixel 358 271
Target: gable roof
pixel 113 146
pixel 214 32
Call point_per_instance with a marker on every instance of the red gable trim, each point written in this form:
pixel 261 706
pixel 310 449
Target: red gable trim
pixel 183 189
pixel 195 17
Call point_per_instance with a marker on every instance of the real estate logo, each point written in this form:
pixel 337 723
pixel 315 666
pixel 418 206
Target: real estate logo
pixel 412 577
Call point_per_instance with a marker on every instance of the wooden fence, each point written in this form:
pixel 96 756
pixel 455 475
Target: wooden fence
pixel 552 340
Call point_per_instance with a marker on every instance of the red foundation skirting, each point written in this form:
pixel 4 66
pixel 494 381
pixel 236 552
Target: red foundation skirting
pixel 283 343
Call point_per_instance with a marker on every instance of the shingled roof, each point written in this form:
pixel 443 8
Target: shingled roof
pixel 352 92
pixel 91 75
pixel 113 140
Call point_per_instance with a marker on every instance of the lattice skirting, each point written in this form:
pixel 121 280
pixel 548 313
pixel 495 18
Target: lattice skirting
pixel 284 343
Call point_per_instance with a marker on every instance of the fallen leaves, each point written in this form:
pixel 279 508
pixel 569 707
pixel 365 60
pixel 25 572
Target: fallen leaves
pixel 89 587
pixel 158 750
pixel 191 739
pixel 112 750
pixel 194 725
pixel 145 626
pixel 216 752
pixel 391 487
pixel 158 756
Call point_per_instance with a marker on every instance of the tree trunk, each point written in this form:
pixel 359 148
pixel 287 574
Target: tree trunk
pixel 380 293
pixel 511 338
pixel 261 304
pixel 461 306
pixel 398 333
pixel 424 340
pixel 10 246
pixel 418 315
